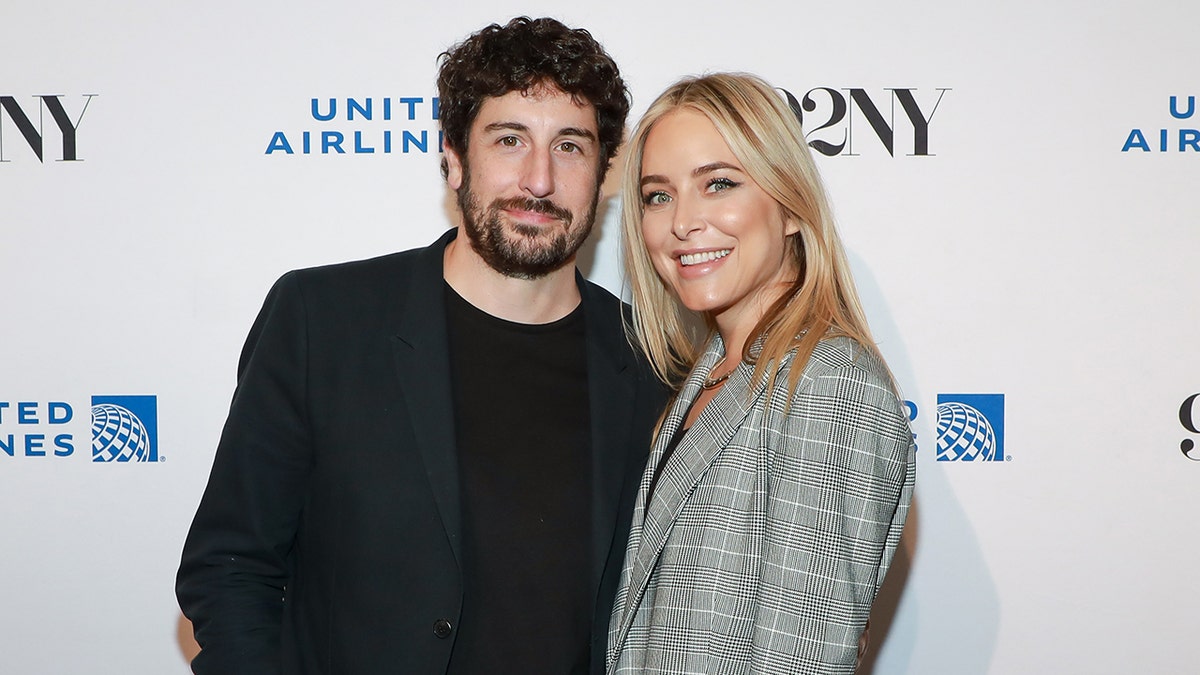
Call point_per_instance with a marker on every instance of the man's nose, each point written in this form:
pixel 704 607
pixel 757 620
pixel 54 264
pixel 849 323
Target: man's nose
pixel 537 176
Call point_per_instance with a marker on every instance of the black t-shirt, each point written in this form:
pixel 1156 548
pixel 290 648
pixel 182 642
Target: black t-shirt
pixel 523 433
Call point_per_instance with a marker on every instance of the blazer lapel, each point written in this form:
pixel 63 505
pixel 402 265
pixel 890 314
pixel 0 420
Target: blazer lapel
pixel 420 347
pixel 700 446
pixel 612 394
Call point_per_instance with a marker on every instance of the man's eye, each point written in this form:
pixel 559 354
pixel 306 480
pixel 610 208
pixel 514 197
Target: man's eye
pixel 568 146
pixel 509 141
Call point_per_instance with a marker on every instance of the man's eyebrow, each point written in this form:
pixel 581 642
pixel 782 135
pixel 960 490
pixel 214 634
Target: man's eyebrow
pixel 501 126
pixel 576 131
pixel 517 126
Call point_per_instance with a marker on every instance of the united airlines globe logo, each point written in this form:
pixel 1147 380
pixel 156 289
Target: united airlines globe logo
pixel 118 436
pixel 970 427
pixel 964 433
pixel 123 429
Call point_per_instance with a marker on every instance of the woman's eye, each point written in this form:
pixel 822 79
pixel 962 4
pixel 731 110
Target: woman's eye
pixel 656 199
pixel 719 184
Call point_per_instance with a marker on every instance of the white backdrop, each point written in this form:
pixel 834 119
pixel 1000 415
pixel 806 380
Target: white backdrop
pixel 1038 250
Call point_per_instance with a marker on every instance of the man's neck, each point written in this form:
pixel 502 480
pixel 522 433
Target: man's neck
pixel 531 301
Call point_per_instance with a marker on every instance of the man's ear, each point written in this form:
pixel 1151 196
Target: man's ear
pixel 454 170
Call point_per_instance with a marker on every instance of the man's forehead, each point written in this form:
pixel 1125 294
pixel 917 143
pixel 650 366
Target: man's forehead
pixel 543 105
pixel 547 90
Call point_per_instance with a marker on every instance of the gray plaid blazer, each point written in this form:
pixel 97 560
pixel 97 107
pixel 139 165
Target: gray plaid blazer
pixel 771 526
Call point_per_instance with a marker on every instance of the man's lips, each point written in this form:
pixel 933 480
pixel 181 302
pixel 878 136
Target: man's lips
pixel 533 217
pixel 536 211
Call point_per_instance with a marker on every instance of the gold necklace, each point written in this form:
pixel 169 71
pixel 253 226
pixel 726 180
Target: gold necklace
pixel 712 382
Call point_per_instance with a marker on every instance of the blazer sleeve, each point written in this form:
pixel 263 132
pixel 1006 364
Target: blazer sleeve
pixel 841 477
pixel 234 567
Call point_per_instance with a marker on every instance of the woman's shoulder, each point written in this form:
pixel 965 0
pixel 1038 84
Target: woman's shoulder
pixel 845 357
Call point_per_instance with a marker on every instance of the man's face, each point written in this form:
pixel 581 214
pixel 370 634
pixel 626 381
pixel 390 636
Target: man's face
pixel 529 183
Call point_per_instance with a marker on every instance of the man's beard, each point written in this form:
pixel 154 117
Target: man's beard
pixel 525 251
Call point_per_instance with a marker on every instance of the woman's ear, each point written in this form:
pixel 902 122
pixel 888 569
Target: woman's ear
pixel 791 224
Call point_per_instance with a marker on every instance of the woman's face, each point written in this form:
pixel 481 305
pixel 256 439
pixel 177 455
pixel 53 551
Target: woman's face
pixel 713 234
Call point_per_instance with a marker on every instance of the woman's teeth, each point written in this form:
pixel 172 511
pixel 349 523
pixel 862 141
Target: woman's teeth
pixel 708 256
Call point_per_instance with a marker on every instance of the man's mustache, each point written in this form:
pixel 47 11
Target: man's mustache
pixel 542 206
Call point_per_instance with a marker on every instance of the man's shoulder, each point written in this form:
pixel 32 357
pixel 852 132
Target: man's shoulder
pixel 612 327
pixel 598 297
pixel 370 275
pixel 359 270
pixel 364 272
pixel 611 317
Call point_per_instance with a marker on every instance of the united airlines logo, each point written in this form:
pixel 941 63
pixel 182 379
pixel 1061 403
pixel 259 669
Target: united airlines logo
pixel 124 429
pixel 970 428
pixel 1171 136
pixel 834 119
pixel 363 126
pixel 29 124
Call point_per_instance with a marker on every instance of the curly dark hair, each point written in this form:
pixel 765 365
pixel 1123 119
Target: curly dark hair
pixel 521 56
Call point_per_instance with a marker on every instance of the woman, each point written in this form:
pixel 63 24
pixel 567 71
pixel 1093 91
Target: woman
pixel 781 475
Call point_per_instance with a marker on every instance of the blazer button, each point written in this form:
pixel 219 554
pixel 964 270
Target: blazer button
pixel 442 628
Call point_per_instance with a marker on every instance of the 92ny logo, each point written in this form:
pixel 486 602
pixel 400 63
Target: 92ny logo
pixel 824 111
pixel 35 137
pixel 1189 417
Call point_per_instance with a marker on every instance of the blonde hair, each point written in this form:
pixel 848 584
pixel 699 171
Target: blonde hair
pixel 765 136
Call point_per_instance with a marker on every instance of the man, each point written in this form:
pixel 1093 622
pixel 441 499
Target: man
pixel 430 458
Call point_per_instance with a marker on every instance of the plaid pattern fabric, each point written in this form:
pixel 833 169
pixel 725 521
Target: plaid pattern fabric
pixel 772 526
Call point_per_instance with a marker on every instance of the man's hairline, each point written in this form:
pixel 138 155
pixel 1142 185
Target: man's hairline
pixel 533 89
pixel 603 161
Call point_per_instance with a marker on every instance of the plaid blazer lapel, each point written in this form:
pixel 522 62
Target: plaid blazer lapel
pixel 699 447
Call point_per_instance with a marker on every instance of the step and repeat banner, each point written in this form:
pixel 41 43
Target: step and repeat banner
pixel 1016 185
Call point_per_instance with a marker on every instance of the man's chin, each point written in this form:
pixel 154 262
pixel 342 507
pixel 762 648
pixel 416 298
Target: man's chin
pixel 524 250
pixel 536 260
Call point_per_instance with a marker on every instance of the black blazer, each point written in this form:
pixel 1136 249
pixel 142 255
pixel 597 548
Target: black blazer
pixel 327 540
